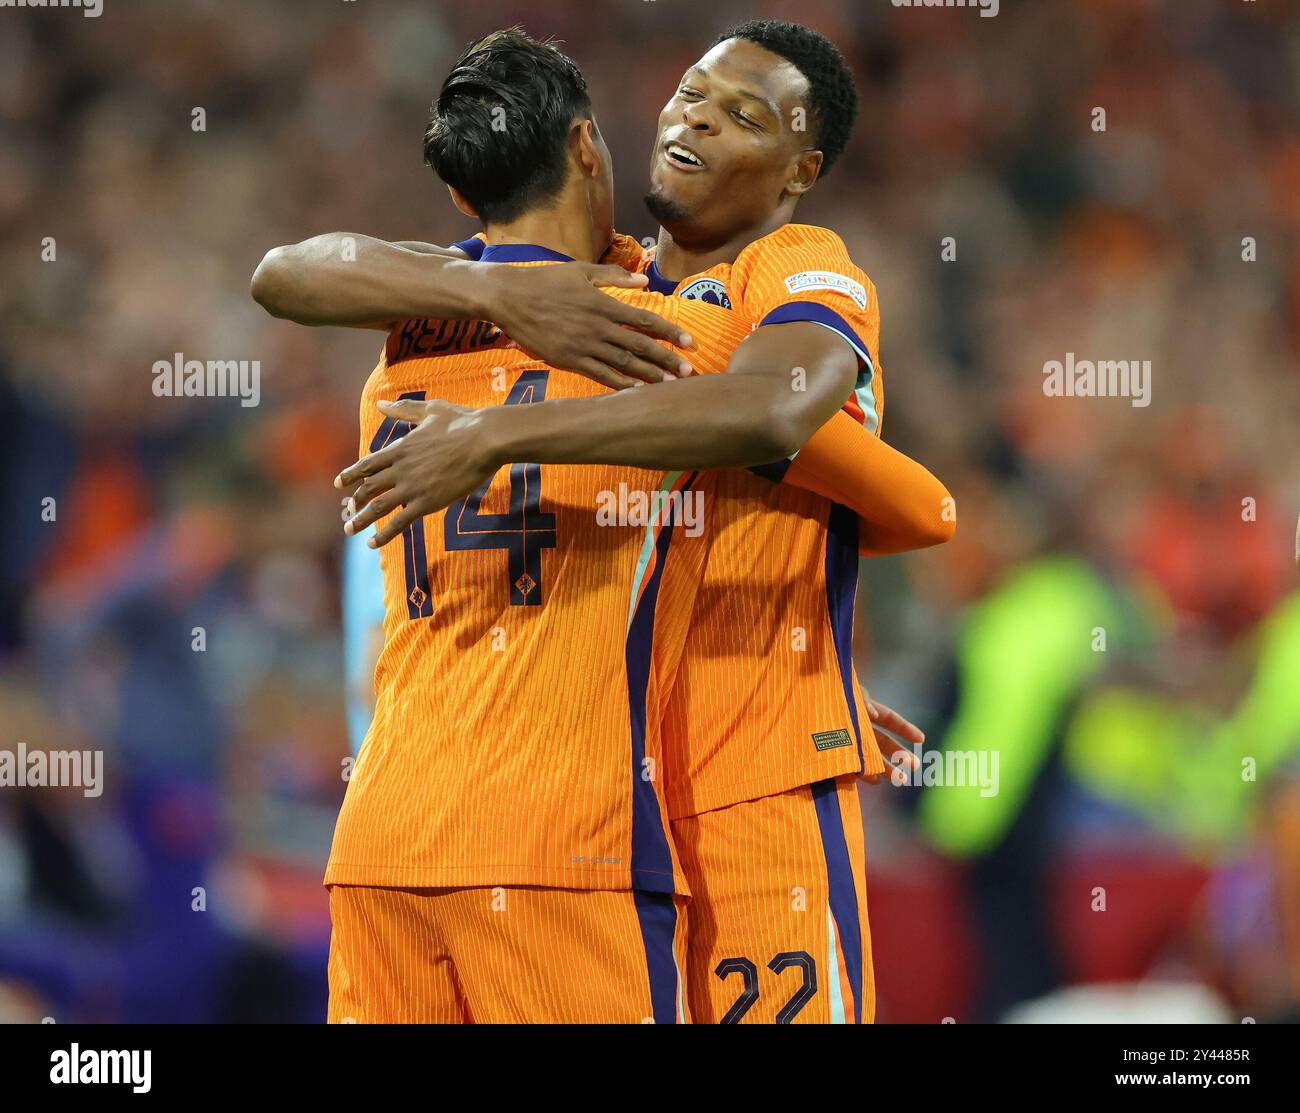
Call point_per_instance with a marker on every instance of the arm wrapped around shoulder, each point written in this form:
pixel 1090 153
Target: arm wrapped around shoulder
pixel 900 504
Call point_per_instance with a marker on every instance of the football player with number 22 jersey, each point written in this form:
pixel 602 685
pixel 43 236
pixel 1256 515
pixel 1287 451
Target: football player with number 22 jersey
pixel 579 727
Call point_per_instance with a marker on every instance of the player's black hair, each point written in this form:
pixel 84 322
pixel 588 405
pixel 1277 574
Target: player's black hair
pixel 498 127
pixel 833 97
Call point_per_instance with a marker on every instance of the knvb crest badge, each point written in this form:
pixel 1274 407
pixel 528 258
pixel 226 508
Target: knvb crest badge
pixel 708 290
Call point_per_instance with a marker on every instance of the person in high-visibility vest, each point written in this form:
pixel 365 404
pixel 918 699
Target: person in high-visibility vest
pixel 1024 652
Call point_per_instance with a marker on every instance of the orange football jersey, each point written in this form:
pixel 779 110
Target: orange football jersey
pixel 798 273
pixel 515 733
pixel 766 697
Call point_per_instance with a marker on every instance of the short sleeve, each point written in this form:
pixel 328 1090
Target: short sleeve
pixel 626 252
pixel 804 273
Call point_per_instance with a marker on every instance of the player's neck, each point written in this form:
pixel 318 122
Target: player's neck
pixel 680 256
pixel 565 227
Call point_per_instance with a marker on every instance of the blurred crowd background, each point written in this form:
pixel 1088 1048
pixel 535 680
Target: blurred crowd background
pixel 1118 617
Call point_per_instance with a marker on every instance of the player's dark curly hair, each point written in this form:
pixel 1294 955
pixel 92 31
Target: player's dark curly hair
pixel 833 97
pixel 497 130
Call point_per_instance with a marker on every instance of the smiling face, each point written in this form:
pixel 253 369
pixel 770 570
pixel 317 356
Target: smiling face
pixel 728 155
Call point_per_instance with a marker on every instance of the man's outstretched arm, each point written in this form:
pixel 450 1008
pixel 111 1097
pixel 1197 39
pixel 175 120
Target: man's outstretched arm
pixel 900 505
pixel 783 382
pixel 555 313
pixel 356 281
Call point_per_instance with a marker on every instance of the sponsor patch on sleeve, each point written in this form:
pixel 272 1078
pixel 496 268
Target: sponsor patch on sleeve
pixel 827 280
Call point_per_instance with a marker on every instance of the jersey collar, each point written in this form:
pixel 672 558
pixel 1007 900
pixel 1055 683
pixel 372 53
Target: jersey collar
pixel 658 283
pixel 522 253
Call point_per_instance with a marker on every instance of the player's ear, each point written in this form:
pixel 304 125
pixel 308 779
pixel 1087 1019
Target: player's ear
pixel 807 168
pixel 460 203
pixel 588 147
